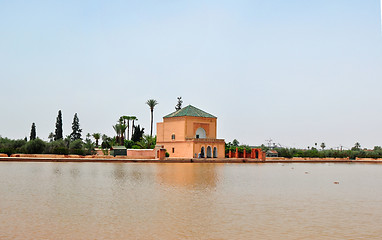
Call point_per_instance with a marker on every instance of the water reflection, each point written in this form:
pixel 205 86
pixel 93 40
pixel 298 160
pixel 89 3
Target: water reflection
pixel 189 201
pixel 189 175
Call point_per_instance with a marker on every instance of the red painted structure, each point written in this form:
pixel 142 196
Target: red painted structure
pixel 256 153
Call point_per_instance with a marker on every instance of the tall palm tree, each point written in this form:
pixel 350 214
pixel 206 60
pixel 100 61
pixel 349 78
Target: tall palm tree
pixel 126 119
pixel 133 118
pixel 152 103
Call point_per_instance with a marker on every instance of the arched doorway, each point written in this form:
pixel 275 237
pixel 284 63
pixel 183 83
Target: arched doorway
pixel 215 152
pixel 209 152
pixel 202 152
pixel 256 154
pixel 200 133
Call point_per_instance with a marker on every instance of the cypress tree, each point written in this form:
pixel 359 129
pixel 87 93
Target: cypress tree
pixel 33 132
pixel 58 133
pixel 76 131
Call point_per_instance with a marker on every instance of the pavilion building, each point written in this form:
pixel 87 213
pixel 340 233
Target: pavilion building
pixel 190 133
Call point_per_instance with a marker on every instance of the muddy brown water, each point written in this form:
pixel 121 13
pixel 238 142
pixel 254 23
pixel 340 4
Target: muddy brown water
pixel 190 201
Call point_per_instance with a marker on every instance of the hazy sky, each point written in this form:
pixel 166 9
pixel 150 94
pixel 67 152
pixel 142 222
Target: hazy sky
pixel 296 71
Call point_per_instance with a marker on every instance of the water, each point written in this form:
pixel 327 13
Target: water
pixel 190 201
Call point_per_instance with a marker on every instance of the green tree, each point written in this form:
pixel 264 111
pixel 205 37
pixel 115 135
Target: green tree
pixel 126 119
pixel 76 130
pixel 51 137
pixel 178 106
pixel 377 148
pixel 323 146
pixel 133 118
pixel 33 132
pixel 235 143
pixel 152 103
pixel 106 141
pixel 138 133
pixel 35 146
pixel 76 147
pixel 58 132
pixel 57 147
pixel 96 136
pixel 147 142
pixel 89 146
pixel 357 147
pixel 67 141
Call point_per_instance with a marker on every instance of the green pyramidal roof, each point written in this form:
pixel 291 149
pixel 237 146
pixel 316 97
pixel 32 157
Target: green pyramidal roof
pixel 190 111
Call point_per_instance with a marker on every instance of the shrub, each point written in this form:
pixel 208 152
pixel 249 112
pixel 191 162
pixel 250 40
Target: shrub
pixel 36 146
pixel 76 144
pixel 57 147
pixel 61 151
pixel 77 151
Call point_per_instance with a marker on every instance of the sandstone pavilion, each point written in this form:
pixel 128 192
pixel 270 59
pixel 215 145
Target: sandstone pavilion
pixel 190 133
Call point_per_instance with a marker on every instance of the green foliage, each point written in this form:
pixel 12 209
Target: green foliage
pixel 36 146
pixel 138 133
pixel 76 144
pixel 377 148
pixel 147 142
pixel 89 147
pixel 235 143
pixel 33 132
pixel 9 146
pixel 105 151
pixel 120 129
pixel 167 154
pixel 96 136
pixel 151 103
pixel 129 143
pixel 357 147
pixel 57 147
pixel 76 147
pixel 76 130
pixel 106 141
pixel 58 132
pixel 51 137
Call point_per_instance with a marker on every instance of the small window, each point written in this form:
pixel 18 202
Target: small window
pixel 173 150
pixel 173 137
pixel 197 136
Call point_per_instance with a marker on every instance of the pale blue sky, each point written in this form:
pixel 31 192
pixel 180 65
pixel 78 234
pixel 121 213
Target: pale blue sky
pixel 296 71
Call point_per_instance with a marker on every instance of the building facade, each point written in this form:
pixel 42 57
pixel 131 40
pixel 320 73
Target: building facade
pixel 190 133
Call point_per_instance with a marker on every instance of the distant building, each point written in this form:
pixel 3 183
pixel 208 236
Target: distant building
pixel 272 153
pixel 190 133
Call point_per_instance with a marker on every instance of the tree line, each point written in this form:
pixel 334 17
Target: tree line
pixel 75 144
pixel 311 152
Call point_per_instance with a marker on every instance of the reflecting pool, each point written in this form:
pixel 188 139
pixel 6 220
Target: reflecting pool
pixel 190 201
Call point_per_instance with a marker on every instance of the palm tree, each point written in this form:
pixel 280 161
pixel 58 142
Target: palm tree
pixel 119 129
pixel 147 142
pixel 96 136
pixel 134 118
pixel 127 118
pixel 151 103
pixel 357 146
pixel 122 127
